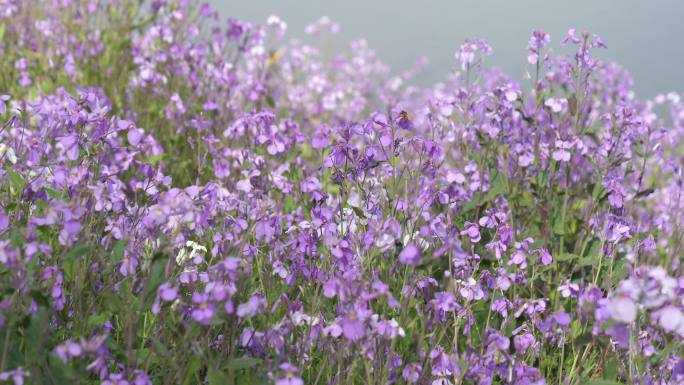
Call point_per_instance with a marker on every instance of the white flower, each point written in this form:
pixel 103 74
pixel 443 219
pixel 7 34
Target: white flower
pixel 196 253
pixel 7 152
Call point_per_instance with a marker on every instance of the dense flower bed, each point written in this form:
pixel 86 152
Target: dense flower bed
pixel 187 201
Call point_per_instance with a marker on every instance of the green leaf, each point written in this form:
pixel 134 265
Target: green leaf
pixel 33 334
pixel 98 319
pixel 61 372
pixel 603 382
pixel 251 378
pixel 619 273
pixel 558 225
pixel 588 261
pixel 40 298
pixel 52 193
pixel 289 204
pixel 118 251
pixel 499 186
pixel 217 377
pixel 156 279
pixel 607 324
pixel 243 363
pixel 70 259
pixel 611 369
pixel 160 348
pixel 192 369
pixel 16 182
pixel 566 257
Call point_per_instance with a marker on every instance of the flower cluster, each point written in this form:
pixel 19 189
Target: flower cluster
pixel 189 201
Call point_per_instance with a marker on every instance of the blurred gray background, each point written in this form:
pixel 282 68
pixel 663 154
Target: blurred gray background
pixel 646 37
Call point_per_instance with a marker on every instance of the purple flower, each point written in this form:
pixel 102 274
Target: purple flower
pixel 68 350
pixel 3 101
pixel 290 375
pixel 672 320
pixel 252 307
pixel 562 318
pixel 410 255
pixel 444 301
pixel 264 231
pixel 352 328
pixel 116 379
pixel 411 372
pixel 622 309
pixel 538 40
pixel 562 151
pixel 472 230
pixel 167 293
pixel 135 135
pixel 467 55
pixel 545 257
pixel 620 334
pixel 333 329
pixel 17 375
pixel 523 342
pixel 203 310
pixel 556 105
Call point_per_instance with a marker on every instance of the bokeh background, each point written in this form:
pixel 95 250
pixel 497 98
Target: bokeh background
pixel 646 37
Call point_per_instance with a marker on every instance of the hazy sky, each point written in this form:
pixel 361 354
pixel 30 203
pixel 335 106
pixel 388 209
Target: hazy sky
pixel 646 37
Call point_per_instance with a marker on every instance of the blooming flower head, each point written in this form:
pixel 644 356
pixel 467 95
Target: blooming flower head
pixel 622 309
pixel 289 375
pixel 410 255
pixel 538 41
pixel 471 51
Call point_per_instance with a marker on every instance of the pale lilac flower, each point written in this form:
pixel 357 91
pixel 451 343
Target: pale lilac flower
pixel 252 307
pixel 472 230
pixel 352 327
pixel 537 42
pixel 3 101
pixel 622 309
pixel 672 319
pixel 290 375
pixel 17 376
pixel 468 54
pixel 562 151
pixel 410 255
pixel 556 105
pixel 412 372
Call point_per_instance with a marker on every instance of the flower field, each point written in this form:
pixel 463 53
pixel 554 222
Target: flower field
pixel 190 200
